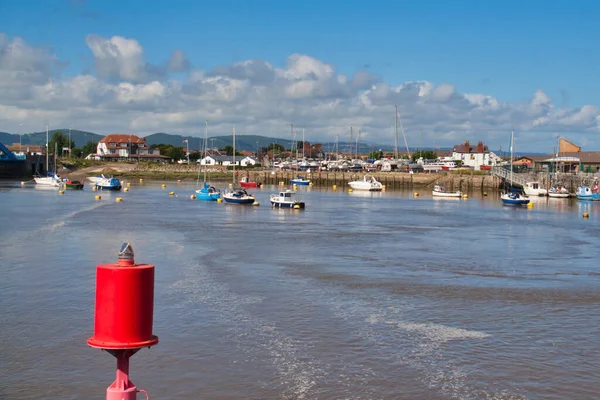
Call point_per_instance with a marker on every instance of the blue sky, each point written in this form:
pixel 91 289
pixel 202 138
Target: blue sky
pixel 504 49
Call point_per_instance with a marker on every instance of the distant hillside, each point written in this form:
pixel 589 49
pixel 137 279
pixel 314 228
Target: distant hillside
pixel 80 138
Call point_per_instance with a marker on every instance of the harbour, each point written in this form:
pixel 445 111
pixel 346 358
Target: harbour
pixel 379 295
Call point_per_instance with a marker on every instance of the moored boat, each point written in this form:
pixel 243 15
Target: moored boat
pixel 286 199
pixel 559 192
pixel 238 196
pixel 534 189
pixel 300 180
pixel 585 192
pixel 73 185
pixel 245 182
pixel 208 192
pixel 514 199
pixel 52 180
pixel 367 183
pixel 440 191
pixel 109 184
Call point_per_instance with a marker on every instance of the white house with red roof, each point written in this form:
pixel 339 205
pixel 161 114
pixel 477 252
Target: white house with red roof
pixel 125 146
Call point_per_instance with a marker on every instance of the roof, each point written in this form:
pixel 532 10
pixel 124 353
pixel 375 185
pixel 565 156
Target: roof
pixel 134 156
pixel 121 138
pixel 467 147
pixel 585 157
pixel 24 147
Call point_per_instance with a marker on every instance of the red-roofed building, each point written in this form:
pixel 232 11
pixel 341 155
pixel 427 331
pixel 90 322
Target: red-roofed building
pixel 124 146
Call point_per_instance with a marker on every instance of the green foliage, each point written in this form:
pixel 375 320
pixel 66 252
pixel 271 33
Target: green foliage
pixel 89 148
pixel 58 141
pixel 228 150
pixel 76 152
pixel 426 154
pixel 376 155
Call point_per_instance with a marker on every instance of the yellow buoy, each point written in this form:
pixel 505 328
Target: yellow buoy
pixel 256 204
pixel 310 183
pixel 171 193
pixel 128 184
pixel 586 215
pixel 529 205
pixel 61 192
pixel 485 193
pixel 281 183
pixel 416 194
pixel 98 197
pixel 141 179
pixel 119 199
pixel 296 206
pixel 349 190
pixel 465 196
pixel 334 187
pixel 163 185
pixel 94 188
pixel 193 197
pixel 126 189
pixel 219 200
pixel 230 185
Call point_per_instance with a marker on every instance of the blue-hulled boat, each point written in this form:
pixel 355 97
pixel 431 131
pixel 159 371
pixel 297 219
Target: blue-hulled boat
pixel 108 184
pixel 514 199
pixel 208 192
pixel 300 180
pixel 586 193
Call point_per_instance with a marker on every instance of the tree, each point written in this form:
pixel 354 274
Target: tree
pixel 426 154
pixel 77 152
pixel 175 153
pixel 59 140
pixel 89 148
pixel 375 155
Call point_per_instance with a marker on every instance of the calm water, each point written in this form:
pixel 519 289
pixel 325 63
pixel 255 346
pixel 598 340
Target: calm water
pixel 360 296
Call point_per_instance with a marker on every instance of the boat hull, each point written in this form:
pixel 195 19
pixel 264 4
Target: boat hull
pixel 249 184
pixel 113 188
pixel 297 204
pixel 559 195
pixel 446 194
pixel 300 183
pixel 208 196
pixel 238 201
pixel 74 186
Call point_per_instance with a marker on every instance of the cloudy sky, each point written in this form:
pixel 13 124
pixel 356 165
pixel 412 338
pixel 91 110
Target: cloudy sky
pixel 458 70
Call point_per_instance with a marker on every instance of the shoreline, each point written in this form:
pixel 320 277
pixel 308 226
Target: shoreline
pixel 467 181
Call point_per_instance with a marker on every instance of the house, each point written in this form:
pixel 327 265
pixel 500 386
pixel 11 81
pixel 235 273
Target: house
pixel 218 160
pixel 23 150
pixel 246 161
pixel 475 156
pixel 569 158
pixel 125 147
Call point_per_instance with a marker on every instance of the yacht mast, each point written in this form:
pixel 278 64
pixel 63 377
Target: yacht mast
pixel 205 142
pixel 303 144
pixel 47 149
pixel 351 144
pixel 396 133
pixel 233 178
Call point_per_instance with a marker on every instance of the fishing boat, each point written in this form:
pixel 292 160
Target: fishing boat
pixel 558 191
pixel 237 195
pixel 585 192
pixel 286 199
pixel 534 189
pixel 440 191
pixel 367 183
pixel 300 180
pixel 245 182
pixel 512 197
pixel 110 183
pixel 73 185
pixel 207 192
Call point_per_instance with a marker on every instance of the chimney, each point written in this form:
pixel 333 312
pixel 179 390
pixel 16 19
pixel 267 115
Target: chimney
pixel 480 147
pixel 467 147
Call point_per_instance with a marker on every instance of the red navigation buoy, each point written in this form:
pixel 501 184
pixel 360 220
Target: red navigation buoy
pixel 124 314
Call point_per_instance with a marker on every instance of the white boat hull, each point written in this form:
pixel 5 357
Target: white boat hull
pixel 446 194
pixel 368 184
pixel 559 195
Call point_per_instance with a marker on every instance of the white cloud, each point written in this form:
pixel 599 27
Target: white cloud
pixel 126 94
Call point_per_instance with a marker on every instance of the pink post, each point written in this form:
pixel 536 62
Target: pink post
pixel 122 388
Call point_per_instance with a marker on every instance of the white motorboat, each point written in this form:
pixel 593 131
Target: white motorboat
pixel 534 189
pixel 559 192
pixel 367 183
pixel 440 191
pixel 286 199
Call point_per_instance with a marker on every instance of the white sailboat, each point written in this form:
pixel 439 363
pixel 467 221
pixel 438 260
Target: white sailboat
pixel 513 198
pixel 51 179
pixel 237 195
pixel 368 183
pixel 207 192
